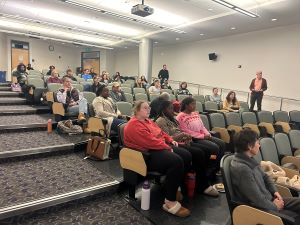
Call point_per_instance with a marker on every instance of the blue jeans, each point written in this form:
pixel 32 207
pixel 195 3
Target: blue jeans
pixel 80 108
pixel 115 124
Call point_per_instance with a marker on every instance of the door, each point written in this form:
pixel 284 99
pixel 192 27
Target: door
pixel 19 53
pixel 91 60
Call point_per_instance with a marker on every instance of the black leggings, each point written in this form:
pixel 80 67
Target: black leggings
pixel 200 160
pixel 173 164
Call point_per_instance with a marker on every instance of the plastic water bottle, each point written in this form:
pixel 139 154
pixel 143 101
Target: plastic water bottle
pixel 145 203
pixel 190 183
pixel 49 126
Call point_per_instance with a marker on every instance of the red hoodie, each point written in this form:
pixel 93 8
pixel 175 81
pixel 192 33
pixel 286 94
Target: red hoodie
pixel 145 135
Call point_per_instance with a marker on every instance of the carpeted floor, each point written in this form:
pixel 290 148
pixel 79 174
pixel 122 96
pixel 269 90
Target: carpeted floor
pixel 38 138
pixel 24 119
pixel 30 178
pixel 102 209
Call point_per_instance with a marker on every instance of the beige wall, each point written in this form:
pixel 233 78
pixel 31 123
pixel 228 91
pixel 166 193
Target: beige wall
pixel 274 51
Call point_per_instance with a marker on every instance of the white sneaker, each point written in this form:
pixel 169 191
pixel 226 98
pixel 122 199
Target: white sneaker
pixel 211 191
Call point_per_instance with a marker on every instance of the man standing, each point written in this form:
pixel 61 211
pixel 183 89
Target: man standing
pixel 163 74
pixel 257 88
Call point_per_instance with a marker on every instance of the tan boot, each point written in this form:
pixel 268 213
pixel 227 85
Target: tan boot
pixel 81 118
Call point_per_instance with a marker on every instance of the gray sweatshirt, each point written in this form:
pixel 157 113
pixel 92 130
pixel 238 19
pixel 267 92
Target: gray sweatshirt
pixel 250 184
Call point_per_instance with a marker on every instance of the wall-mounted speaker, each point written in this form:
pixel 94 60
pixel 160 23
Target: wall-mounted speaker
pixel 212 56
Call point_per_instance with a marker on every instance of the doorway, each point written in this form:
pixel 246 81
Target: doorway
pixel 19 53
pixel 91 60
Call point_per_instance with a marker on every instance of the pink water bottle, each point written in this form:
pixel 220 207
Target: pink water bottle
pixel 190 183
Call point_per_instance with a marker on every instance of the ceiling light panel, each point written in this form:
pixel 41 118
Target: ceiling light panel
pixel 73 20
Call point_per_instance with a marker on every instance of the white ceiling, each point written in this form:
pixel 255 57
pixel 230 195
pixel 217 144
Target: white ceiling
pixel 114 27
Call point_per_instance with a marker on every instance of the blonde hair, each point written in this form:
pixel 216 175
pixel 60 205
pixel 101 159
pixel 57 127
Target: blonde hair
pixel 137 106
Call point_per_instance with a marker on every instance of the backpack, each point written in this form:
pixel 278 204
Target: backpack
pixel 67 127
pixel 15 87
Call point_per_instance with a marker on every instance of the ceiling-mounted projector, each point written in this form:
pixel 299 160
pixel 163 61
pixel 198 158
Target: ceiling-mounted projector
pixel 142 10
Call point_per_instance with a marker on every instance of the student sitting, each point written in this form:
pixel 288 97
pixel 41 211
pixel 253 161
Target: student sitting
pixel 138 83
pixel 54 78
pixel 96 84
pixel 190 122
pixel 251 185
pixel 231 103
pixel 165 85
pixel 92 72
pixel 70 75
pixel 71 98
pixel 29 67
pixel 144 82
pixel 117 78
pixel 215 97
pixel 200 158
pixel 50 70
pixel 21 74
pixel 183 89
pixel 142 134
pixel 105 79
pixel 86 75
pixel 105 107
pixel 116 93
pixel 155 89
pixel 155 104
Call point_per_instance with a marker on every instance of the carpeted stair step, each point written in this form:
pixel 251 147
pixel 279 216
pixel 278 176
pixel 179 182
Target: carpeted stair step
pixel 5 88
pixel 23 109
pixel 12 101
pixel 26 142
pixel 10 94
pixel 34 182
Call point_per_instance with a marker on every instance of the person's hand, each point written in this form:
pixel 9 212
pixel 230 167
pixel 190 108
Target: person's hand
pixel 278 196
pixel 279 203
pixel 207 136
pixel 175 143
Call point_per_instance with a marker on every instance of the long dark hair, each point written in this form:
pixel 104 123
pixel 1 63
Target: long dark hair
pixel 100 90
pixel 185 102
pixel 228 97
pixel 161 111
pixel 19 67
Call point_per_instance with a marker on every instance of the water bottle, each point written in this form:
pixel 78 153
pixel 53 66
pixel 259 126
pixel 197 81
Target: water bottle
pixel 49 126
pixel 145 202
pixel 190 183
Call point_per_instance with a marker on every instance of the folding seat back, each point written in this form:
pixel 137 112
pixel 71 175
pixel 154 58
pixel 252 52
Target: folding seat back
pixel 281 116
pixel 199 98
pixel 126 90
pixel 205 121
pixel 211 106
pixel 129 85
pixel 283 144
pixel 268 150
pixel 139 90
pixel 266 120
pixel 250 121
pixel 207 98
pixel 53 87
pixel 295 116
pixel 125 108
pixel 79 87
pixel 167 90
pixel 129 97
pixel 37 82
pixel 244 106
pixel 181 97
pixel 258 157
pixel 89 96
pixel 199 107
pixel 172 97
pixel 233 121
pixel 294 136
pixel 282 119
pixel 153 96
pixel 44 71
pixel 141 96
pixel 218 125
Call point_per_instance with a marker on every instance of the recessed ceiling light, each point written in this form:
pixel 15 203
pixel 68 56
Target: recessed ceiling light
pixel 125 47
pixel 232 28
pixel 210 9
pixel 201 34
pixel 274 19
pixel 155 42
pixel 177 39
